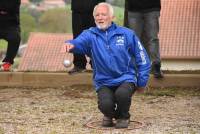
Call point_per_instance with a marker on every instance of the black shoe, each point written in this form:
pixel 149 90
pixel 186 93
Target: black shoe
pixel 107 122
pixel 157 71
pixel 76 70
pixel 122 123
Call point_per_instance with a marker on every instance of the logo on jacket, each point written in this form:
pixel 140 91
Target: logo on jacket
pixel 140 45
pixel 120 41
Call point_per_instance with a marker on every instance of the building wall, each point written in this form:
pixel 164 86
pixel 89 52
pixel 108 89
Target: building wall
pixel 181 65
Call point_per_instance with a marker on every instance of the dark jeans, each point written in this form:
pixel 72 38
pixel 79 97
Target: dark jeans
pixel 80 22
pixel 12 36
pixel 115 102
pixel 146 26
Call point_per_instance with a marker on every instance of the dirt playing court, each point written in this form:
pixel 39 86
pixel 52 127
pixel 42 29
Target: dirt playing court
pixel 67 110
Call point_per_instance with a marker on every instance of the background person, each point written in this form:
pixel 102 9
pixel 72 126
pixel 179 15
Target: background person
pixel 10 30
pixel 143 18
pixel 112 49
pixel 82 19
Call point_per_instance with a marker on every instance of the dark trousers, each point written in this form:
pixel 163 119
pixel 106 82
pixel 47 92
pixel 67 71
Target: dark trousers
pixel 12 36
pixel 115 101
pixel 80 22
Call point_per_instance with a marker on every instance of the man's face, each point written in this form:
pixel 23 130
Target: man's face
pixel 102 17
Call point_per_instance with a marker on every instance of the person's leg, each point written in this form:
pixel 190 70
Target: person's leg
pixel 126 13
pixel 12 36
pixel 151 27
pixel 135 22
pixel 123 95
pixel 87 23
pixel 79 60
pixel 106 105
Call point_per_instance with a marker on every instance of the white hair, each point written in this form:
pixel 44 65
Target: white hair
pixel 109 6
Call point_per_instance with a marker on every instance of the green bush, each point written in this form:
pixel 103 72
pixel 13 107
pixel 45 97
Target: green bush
pixel 28 24
pixel 36 1
pixel 119 3
pixel 56 21
pixel 119 15
pixel 3 44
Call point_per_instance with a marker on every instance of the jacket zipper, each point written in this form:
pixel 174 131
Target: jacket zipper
pixel 107 45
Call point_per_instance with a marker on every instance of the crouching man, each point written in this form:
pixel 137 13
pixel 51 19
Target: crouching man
pixel 120 64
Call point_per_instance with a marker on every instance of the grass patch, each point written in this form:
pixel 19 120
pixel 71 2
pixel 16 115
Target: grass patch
pixel 16 63
pixel 173 92
pixel 3 44
pixel 119 15
pixel 1 131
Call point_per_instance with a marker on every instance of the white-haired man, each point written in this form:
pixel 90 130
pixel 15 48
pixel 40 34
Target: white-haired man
pixel 120 64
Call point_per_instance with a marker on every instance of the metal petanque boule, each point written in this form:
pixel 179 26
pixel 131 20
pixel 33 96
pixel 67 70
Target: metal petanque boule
pixel 67 63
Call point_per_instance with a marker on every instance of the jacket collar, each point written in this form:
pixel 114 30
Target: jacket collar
pixel 111 30
pixel 97 30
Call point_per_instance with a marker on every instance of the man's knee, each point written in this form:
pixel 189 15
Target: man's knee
pixel 125 91
pixel 122 94
pixel 106 105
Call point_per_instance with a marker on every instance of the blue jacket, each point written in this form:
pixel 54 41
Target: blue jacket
pixel 117 56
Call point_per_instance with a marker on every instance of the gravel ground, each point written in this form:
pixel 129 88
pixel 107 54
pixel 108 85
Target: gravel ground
pixel 67 110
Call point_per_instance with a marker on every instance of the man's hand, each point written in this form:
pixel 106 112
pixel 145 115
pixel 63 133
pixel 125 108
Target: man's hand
pixel 66 48
pixel 140 90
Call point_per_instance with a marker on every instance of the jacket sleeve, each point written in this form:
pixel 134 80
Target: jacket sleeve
pixel 82 43
pixel 142 62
